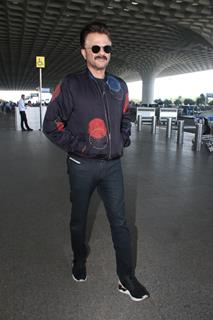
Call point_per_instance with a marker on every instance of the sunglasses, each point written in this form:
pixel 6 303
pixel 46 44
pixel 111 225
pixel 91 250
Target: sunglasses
pixel 96 49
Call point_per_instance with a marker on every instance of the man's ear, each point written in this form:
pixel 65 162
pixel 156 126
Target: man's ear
pixel 83 52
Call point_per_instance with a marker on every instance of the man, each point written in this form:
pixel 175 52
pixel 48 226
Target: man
pixel 22 108
pixel 88 117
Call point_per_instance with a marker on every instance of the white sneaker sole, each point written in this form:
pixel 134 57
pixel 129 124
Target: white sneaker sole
pixel 81 280
pixel 125 291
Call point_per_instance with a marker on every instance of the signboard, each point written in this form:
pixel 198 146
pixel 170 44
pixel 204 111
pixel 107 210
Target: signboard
pixel 40 62
pixel 209 95
pixel 45 90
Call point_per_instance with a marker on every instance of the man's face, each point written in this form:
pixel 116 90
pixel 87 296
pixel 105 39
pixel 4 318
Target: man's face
pixel 100 60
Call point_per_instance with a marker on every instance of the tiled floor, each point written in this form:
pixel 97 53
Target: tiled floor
pixel 169 191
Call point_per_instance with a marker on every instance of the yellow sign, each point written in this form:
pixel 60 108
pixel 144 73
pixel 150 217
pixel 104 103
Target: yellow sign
pixel 40 62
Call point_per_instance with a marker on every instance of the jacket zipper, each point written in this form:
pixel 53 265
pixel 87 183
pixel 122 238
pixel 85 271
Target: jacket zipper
pixel 106 113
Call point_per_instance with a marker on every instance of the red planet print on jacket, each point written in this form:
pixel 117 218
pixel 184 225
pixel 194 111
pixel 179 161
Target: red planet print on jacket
pixel 97 128
pixel 97 133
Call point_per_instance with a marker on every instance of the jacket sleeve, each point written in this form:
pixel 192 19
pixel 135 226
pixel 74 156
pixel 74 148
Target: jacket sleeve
pixel 126 120
pixel 57 116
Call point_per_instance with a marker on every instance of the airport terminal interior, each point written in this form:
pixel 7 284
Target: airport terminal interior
pixel 168 201
pixel 167 168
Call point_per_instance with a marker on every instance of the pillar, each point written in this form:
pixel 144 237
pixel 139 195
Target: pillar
pixel 148 88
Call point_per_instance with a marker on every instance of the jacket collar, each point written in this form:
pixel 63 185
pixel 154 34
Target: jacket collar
pixel 90 75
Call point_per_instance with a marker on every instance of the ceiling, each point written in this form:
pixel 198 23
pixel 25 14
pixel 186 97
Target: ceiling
pixel 149 37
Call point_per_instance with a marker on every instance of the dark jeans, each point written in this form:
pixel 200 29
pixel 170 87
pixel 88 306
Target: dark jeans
pixel 107 177
pixel 24 120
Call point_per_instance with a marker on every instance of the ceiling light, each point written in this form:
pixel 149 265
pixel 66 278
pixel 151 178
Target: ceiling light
pixel 179 1
pixel 110 7
pixel 134 3
pixel 125 9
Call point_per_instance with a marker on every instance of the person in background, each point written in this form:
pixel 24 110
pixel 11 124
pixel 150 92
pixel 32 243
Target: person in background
pixel 88 117
pixel 206 127
pixel 29 104
pixel 22 109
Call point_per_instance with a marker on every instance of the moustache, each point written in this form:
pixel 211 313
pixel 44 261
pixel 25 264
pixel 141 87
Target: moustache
pixel 101 57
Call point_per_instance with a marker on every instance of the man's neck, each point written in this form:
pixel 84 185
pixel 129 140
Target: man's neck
pixel 99 74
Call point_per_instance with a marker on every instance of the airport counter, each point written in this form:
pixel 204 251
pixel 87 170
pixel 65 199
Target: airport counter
pixel 33 117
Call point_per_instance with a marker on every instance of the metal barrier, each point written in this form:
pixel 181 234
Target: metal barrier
pixel 146 113
pixel 166 113
pixel 139 122
pixel 180 132
pixel 198 136
pixel 153 128
pixel 169 128
pixel 197 141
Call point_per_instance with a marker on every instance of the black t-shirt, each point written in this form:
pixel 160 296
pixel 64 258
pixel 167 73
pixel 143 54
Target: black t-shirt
pixel 101 84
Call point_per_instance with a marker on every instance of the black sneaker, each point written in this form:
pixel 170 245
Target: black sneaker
pixel 131 286
pixel 79 272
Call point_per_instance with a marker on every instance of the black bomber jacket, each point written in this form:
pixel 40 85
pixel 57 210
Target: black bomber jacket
pixel 87 119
